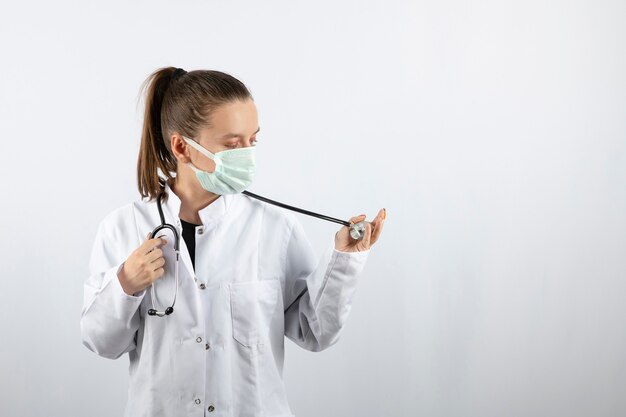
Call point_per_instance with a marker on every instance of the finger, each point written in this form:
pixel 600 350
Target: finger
pixel 157 273
pixel 377 231
pixel 367 235
pixel 357 219
pixel 151 244
pixel 143 248
pixel 150 233
pixel 154 255
pixel 380 222
pixel 163 240
pixel 377 219
pixel 157 263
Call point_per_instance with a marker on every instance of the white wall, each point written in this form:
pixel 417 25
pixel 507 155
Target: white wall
pixel 494 133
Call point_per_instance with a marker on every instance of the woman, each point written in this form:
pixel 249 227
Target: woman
pixel 248 275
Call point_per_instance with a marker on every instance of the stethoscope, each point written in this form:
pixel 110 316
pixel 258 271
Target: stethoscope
pixel 357 231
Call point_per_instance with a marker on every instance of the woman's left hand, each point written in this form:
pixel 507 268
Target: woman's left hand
pixel 345 243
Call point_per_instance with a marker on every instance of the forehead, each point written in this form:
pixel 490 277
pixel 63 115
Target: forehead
pixel 238 117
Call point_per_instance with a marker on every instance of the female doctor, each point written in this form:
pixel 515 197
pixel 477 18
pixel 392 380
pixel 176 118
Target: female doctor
pixel 247 275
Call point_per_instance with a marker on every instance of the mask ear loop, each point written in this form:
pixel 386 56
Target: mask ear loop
pixel 205 152
pixel 199 148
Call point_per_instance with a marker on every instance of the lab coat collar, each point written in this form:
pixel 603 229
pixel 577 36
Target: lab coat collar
pixel 212 213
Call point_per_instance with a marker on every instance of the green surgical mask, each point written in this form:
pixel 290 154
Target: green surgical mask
pixel 234 169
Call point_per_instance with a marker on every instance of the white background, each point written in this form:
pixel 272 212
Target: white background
pixel 494 132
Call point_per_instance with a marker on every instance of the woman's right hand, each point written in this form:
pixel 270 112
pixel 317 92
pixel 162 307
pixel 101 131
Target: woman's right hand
pixel 143 266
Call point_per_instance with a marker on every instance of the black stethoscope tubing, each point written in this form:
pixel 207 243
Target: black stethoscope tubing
pixel 169 310
pixel 310 213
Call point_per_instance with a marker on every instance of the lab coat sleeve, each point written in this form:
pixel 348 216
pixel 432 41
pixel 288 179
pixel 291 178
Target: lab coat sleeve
pixel 109 317
pixel 326 288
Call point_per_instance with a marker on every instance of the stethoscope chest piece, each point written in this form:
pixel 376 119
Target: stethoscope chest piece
pixel 357 230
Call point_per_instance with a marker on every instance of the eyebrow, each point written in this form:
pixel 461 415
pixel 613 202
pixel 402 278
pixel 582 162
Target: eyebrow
pixel 236 135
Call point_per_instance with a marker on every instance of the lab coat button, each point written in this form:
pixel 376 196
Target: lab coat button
pixel 211 408
pixel 199 339
pixel 197 400
pixel 202 286
pixel 206 347
pixel 200 230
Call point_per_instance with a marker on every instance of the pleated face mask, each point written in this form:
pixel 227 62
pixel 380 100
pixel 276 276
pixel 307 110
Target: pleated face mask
pixel 234 169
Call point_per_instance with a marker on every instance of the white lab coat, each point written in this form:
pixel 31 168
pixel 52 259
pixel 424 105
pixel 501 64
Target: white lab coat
pixel 220 353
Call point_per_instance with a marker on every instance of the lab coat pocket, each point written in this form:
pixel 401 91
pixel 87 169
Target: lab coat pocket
pixel 252 308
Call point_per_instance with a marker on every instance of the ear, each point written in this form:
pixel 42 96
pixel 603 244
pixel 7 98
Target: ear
pixel 179 148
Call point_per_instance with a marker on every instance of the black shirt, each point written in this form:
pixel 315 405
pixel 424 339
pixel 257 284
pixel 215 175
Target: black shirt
pixel 189 235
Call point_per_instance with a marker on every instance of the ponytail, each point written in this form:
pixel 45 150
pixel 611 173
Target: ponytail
pixel 182 102
pixel 153 153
